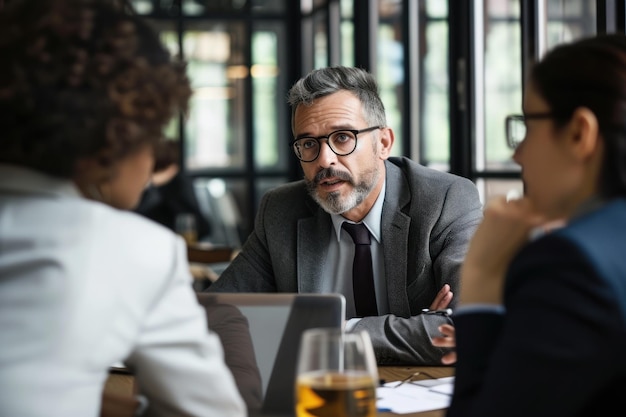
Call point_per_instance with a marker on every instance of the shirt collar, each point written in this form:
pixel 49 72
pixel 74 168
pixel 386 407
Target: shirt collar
pixel 371 221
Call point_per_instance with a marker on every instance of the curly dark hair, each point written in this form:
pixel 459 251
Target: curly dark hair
pixel 82 78
pixel 166 153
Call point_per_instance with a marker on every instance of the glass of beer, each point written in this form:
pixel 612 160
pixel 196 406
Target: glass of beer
pixel 186 227
pixel 336 374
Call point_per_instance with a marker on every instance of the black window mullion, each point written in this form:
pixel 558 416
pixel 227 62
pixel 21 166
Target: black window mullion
pixel 620 16
pixel 605 16
pixel 460 76
pixel 529 24
pixel 365 34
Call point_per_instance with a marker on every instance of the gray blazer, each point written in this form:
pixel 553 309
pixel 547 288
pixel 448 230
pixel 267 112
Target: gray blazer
pixel 428 218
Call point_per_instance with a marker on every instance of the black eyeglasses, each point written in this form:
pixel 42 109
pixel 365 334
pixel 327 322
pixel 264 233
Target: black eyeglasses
pixel 515 126
pixel 341 142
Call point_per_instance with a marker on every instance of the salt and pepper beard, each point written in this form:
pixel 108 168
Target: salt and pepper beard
pixel 334 203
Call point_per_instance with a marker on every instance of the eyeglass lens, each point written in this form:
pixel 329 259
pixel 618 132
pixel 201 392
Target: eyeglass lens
pixel 516 131
pixel 341 142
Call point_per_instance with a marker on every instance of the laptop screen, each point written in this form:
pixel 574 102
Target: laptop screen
pixel 260 334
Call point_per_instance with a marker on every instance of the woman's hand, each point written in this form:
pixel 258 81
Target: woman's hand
pixel 505 228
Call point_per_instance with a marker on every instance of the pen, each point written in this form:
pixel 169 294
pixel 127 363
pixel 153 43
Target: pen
pixel 384 410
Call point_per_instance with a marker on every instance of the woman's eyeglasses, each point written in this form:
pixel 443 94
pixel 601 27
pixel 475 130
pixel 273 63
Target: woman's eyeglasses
pixel 515 126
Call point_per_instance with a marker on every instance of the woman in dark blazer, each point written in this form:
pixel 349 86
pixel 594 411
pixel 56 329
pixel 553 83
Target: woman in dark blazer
pixel 541 323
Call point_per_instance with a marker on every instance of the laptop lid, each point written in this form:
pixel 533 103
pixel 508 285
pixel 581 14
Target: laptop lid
pixel 260 334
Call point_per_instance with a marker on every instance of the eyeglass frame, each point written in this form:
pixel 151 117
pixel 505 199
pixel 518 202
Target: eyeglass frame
pixel 318 139
pixel 511 118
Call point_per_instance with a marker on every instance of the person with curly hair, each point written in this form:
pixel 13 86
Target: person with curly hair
pixel 86 89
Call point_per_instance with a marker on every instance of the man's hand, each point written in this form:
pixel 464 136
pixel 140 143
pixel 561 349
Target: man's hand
pixel 442 299
pixel 448 340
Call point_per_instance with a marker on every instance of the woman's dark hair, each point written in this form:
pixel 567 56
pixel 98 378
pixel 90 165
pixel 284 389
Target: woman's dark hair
pixel 82 78
pixel 591 73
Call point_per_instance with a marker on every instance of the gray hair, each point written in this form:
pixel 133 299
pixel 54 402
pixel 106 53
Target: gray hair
pixel 325 81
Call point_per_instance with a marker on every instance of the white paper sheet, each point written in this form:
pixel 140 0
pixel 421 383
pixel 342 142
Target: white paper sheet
pixel 417 396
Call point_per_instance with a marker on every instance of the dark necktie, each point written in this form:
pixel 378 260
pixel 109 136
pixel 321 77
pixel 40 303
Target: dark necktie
pixel 362 274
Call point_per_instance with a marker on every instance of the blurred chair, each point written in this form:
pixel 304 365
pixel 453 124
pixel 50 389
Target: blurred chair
pixel 207 253
pixel 211 256
pixel 207 261
pixel 219 206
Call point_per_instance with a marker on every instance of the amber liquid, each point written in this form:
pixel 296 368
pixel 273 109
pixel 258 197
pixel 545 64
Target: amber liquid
pixel 190 237
pixel 335 395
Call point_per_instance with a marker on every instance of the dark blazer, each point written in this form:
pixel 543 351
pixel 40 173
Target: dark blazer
pixel 428 218
pixel 560 349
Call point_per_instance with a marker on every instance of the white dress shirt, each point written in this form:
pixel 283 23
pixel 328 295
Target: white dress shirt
pixel 84 286
pixel 338 265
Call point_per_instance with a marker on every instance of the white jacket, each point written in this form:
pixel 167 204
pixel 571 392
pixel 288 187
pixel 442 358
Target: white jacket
pixel 84 286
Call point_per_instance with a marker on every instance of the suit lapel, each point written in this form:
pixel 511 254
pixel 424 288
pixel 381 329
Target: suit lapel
pixel 395 235
pixel 313 236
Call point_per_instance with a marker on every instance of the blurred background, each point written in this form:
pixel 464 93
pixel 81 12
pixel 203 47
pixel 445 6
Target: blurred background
pixel 449 73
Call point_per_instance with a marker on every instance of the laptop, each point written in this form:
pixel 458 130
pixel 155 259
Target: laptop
pixel 260 334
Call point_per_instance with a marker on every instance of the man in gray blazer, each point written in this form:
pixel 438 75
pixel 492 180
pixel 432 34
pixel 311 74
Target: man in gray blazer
pixel 420 220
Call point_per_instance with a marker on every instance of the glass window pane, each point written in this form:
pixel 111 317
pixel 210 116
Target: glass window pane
pixel 215 127
pixel 347 32
pixel 347 9
pixel 142 6
pixel 503 88
pixel 569 20
pixel 437 9
pixel 270 145
pixel 490 188
pixel 198 8
pixel 390 77
pixel 204 7
pixel 434 91
pixel 320 40
pixel 268 6
pixel 502 79
pixel 389 8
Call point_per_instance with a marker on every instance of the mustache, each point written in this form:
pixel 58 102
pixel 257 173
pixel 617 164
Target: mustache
pixel 330 172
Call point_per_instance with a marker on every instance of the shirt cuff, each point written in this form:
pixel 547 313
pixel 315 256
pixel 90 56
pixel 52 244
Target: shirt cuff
pixel 351 323
pixel 479 308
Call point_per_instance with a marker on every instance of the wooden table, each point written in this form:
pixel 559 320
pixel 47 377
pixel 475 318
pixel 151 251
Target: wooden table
pixel 124 384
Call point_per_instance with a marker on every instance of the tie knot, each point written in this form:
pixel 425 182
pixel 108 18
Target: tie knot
pixel 358 232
